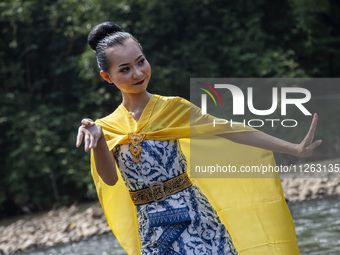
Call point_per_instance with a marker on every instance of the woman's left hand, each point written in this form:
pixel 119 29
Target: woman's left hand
pixel 307 145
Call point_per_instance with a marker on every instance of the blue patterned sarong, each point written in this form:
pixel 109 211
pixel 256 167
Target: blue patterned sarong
pixel 184 223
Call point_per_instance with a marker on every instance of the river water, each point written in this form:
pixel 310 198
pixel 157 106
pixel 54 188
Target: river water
pixel 317 225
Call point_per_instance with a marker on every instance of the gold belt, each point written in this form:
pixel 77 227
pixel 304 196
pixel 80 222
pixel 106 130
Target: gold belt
pixel 158 191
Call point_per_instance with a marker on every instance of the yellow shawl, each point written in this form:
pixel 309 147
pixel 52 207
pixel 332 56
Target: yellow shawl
pixel 253 209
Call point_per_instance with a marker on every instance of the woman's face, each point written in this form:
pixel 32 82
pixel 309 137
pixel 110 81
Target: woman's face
pixel 129 70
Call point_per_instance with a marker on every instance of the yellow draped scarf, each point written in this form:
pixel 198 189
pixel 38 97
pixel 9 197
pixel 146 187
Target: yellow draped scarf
pixel 253 209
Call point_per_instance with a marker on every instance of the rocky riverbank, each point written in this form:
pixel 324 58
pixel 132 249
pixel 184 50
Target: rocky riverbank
pixel 68 225
pixel 57 227
pixel 301 189
pixel 314 180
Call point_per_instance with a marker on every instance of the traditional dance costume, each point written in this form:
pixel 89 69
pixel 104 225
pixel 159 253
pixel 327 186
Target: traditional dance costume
pixel 199 218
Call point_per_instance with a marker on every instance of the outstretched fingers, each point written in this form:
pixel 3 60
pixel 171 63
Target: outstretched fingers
pixel 314 144
pixel 83 134
pixel 307 145
pixel 87 141
pixel 80 136
pixel 93 142
pixel 310 135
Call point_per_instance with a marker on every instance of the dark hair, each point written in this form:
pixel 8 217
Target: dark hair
pixel 104 36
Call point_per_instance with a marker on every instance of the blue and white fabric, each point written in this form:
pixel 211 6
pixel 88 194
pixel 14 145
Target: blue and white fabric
pixel 184 223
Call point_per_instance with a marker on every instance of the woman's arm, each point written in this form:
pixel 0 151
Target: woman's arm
pixel 94 139
pixel 268 142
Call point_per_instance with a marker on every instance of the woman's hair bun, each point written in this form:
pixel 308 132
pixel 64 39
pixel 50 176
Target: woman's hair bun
pixel 100 31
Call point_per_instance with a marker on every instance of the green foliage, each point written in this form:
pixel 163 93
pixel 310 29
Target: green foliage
pixel 279 63
pixel 49 77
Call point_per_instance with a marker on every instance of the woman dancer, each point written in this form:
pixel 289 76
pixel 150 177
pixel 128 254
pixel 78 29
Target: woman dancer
pixel 142 137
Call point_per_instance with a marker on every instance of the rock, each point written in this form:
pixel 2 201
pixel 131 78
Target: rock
pixel 97 213
pixel 28 244
pixel 91 231
pixel 299 189
pixel 337 190
pixel 57 226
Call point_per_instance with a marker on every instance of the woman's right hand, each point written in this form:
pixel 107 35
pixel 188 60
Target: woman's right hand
pixel 90 132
